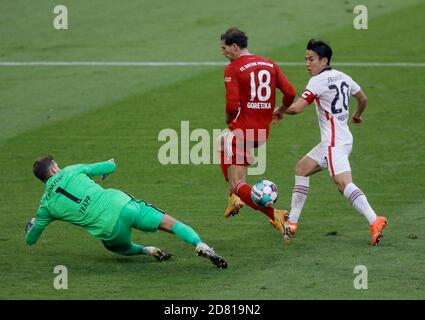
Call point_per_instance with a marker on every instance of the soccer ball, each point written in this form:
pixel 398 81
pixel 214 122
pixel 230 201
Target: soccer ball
pixel 264 193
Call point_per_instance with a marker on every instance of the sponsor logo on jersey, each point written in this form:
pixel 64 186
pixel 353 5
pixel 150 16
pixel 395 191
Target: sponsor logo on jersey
pixel 227 79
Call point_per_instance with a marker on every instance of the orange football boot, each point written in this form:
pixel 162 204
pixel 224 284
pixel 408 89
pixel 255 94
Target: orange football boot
pixel 233 205
pixel 280 222
pixel 293 227
pixel 376 230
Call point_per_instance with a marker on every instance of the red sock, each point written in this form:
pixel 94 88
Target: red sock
pixel 243 191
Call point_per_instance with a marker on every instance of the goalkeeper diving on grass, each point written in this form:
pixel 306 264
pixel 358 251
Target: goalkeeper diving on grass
pixel 109 215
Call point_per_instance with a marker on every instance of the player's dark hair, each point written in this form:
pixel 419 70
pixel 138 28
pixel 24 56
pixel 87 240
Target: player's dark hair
pixel 234 35
pixel 322 49
pixel 41 167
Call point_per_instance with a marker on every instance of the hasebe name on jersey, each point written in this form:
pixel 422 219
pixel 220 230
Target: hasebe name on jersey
pixel 333 79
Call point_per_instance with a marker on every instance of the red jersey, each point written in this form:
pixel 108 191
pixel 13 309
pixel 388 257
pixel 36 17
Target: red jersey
pixel 251 83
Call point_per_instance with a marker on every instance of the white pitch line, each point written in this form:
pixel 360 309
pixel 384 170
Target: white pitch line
pixel 111 63
pixel 192 64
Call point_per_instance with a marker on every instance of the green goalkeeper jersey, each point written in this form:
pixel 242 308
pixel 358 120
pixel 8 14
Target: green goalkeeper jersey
pixel 71 195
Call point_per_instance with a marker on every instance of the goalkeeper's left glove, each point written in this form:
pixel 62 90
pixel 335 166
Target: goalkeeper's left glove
pixel 29 225
pixel 105 175
pixel 157 253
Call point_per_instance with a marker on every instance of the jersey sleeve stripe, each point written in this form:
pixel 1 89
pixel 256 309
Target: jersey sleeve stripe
pixel 331 165
pixel 332 131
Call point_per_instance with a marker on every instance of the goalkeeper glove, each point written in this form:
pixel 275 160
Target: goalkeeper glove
pixel 105 175
pixel 29 225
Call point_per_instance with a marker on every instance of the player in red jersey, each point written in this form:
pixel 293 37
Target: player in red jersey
pixel 251 83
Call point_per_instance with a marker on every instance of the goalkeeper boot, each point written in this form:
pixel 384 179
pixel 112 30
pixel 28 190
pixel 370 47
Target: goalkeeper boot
pixel 376 230
pixel 281 223
pixel 203 250
pixel 159 254
pixel 233 205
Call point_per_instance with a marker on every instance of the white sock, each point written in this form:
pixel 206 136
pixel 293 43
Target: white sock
pixel 299 195
pixel 359 201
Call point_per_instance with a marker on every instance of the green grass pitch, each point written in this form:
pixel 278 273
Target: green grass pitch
pixel 93 113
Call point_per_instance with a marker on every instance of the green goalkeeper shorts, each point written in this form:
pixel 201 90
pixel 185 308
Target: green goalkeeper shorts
pixel 142 215
pixel 137 214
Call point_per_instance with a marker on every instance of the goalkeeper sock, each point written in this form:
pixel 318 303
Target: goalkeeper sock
pixel 299 196
pixel 186 233
pixel 130 249
pixel 243 191
pixel 359 201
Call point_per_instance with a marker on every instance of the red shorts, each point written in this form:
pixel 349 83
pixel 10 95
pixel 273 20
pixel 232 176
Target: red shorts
pixel 235 150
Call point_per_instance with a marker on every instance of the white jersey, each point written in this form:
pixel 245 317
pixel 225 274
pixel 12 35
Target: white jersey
pixel 331 89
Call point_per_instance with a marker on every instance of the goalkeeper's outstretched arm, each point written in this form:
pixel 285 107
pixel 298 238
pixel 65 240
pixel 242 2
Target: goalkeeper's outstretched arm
pixel 35 226
pixel 99 169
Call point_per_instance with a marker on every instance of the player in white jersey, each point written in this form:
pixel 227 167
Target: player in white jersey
pixel 330 90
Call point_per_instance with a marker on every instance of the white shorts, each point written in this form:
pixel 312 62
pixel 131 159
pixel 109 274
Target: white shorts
pixel 333 158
